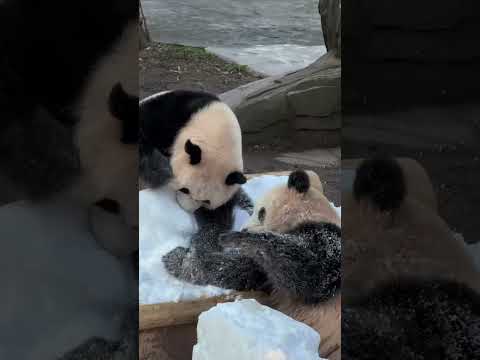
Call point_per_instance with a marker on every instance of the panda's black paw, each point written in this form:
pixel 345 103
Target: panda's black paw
pixel 244 202
pixel 173 261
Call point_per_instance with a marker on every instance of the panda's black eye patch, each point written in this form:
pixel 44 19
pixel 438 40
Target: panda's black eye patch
pixel 184 190
pixel 261 214
pixel 235 177
pixel 125 108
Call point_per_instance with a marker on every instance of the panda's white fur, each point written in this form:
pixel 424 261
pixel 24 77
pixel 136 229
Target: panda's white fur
pixel 285 209
pixel 213 127
pixel 216 130
pixel 411 240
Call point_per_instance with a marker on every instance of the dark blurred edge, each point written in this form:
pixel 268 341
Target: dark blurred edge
pixel 47 51
pixel 411 88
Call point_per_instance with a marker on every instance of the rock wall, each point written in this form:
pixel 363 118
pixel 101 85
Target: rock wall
pixel 303 106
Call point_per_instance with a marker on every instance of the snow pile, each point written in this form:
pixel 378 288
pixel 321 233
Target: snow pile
pixel 164 225
pixel 246 330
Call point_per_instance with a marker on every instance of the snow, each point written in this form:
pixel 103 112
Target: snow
pixel 163 226
pixel 247 330
pixel 272 60
pixel 59 287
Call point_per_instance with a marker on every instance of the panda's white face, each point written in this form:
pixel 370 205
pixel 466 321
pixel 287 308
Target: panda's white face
pixel 206 159
pixel 109 162
pixel 286 206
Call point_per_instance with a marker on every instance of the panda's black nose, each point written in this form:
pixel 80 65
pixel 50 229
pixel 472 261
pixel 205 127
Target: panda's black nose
pixel 207 202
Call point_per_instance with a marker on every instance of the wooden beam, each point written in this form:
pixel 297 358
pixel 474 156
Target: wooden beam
pixel 187 312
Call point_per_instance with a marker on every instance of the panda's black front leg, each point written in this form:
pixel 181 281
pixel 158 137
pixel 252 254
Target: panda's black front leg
pixel 222 217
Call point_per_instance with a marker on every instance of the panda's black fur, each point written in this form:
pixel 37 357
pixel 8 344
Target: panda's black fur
pixel 48 50
pixel 407 317
pixel 381 181
pixel 176 106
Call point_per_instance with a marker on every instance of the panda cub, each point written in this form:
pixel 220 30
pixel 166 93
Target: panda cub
pixel 191 142
pixel 410 289
pixel 291 247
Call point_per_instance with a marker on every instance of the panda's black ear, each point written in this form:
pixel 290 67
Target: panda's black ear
pixel 299 180
pixel 194 151
pixel 235 177
pixel 381 181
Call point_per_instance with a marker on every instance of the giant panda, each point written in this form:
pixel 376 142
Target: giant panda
pixel 69 130
pixel 410 289
pixel 191 142
pixel 290 247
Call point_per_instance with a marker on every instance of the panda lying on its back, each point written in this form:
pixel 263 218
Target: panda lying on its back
pixel 291 247
pixel 410 289
pixel 192 142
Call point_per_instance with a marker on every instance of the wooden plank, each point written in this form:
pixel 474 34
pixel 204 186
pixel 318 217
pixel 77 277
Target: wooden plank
pixel 172 314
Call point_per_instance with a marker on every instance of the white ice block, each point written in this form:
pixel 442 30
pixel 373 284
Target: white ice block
pixel 247 330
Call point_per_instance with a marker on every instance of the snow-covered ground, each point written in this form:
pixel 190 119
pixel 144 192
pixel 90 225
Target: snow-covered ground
pixel 163 227
pixel 245 329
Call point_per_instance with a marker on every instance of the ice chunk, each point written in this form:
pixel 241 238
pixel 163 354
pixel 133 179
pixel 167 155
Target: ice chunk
pixel 247 330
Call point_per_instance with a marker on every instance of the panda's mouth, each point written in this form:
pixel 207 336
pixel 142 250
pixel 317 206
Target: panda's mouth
pixel 184 192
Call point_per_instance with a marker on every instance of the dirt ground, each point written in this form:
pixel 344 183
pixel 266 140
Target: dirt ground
pixel 168 67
